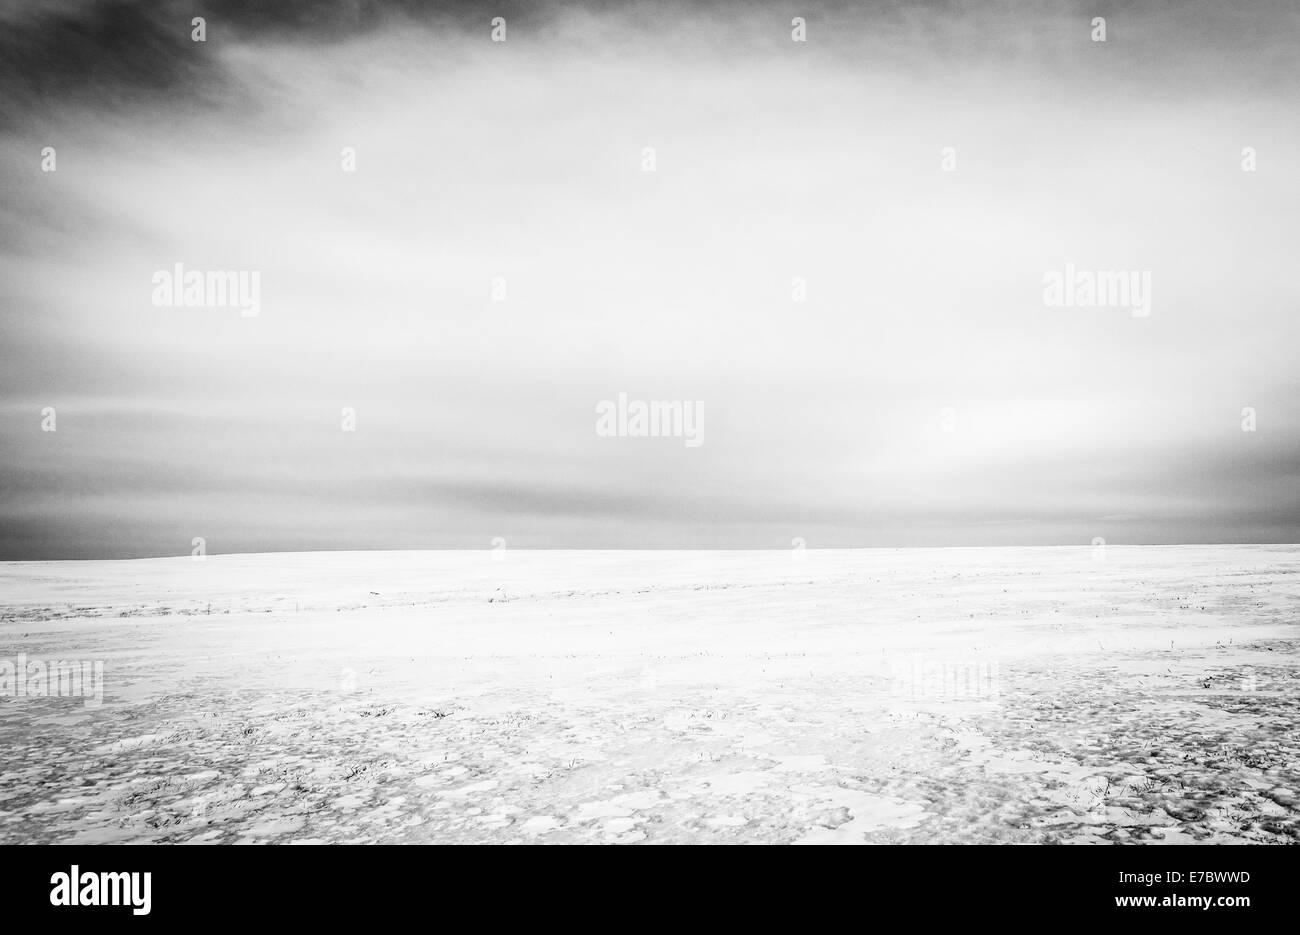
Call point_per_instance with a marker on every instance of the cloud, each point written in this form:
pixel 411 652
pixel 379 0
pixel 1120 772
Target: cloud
pixel 523 162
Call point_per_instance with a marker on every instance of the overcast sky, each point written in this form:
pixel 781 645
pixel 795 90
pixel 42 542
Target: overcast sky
pixel 523 160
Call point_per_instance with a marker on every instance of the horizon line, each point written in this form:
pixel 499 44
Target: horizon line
pixel 490 550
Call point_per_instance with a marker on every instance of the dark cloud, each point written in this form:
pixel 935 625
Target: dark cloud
pixel 114 52
pixel 120 53
pixel 140 53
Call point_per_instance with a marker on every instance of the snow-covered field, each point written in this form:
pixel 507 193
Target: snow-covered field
pixel 956 695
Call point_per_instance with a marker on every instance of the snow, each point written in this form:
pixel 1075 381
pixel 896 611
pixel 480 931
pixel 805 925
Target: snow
pixel 661 697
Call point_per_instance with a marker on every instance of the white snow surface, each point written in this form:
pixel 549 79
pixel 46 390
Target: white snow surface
pixel 661 697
